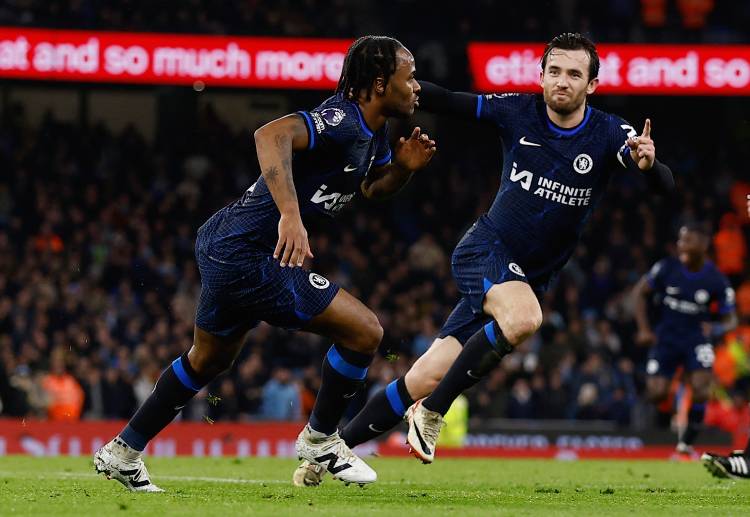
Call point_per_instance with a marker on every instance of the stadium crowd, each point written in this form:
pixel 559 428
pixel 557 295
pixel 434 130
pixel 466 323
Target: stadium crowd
pixel 98 283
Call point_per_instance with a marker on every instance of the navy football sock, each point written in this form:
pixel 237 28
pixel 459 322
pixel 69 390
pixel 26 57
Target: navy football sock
pixel 343 374
pixel 177 385
pixel 694 424
pixel 482 352
pixel 382 412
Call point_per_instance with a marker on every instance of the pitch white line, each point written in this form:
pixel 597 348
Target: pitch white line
pixel 88 475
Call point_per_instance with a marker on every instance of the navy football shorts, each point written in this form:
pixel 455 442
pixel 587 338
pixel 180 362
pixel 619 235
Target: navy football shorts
pixel 480 261
pixel 691 354
pixel 236 296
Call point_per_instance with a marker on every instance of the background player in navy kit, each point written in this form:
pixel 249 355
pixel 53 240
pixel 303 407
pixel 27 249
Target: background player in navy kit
pixel 250 255
pixel 684 289
pixel 558 154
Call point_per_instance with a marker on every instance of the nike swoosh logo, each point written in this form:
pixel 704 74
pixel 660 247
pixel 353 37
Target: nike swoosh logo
pixel 349 395
pixel 350 168
pixel 177 408
pixel 375 429
pixel 421 441
pixel 468 372
pixel 523 141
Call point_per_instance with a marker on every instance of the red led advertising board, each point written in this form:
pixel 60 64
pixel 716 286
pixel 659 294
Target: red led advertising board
pixel 151 58
pixel 625 69
pixel 122 57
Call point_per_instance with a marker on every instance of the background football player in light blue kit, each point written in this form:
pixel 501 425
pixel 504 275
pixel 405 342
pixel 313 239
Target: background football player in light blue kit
pixel 684 288
pixel 250 254
pixel 558 155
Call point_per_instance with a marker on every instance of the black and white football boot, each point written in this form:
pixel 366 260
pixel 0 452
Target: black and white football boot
pixel 424 429
pixel 734 466
pixel 117 460
pixel 331 452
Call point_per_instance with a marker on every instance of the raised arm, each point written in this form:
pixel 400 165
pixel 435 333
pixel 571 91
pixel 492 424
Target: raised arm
pixel 642 157
pixel 275 143
pixel 436 99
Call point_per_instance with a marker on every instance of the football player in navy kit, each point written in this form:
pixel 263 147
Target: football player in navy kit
pixel 250 256
pixel 684 288
pixel 558 155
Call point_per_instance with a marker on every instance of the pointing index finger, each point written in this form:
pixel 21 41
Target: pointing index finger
pixel 647 128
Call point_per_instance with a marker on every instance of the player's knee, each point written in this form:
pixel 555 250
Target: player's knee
pixel 210 368
pixel 368 335
pixel 210 363
pixel 521 327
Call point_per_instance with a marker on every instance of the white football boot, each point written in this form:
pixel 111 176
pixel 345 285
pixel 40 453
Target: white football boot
pixel 424 429
pixel 334 455
pixel 117 460
pixel 308 474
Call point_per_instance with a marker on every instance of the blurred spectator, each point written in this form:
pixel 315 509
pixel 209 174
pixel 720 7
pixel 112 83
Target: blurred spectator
pixel 743 299
pixel 281 397
pixel 554 401
pixel 490 399
pixel 64 394
pixel 521 403
pixel 731 249
pixel 250 379
pixel 738 197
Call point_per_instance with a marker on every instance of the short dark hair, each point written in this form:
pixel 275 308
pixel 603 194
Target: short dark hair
pixel 575 41
pixel 697 227
pixel 367 59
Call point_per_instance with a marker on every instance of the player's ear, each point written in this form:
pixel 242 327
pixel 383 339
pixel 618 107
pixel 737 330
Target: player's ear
pixel 591 87
pixel 541 78
pixel 379 87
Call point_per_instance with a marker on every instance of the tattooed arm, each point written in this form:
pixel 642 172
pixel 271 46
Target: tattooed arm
pixel 275 143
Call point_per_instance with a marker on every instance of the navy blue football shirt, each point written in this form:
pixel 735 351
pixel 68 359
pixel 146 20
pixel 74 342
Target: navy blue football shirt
pixel 552 177
pixel 685 298
pixel 327 176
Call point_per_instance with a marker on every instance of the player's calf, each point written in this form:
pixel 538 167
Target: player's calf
pixel 427 372
pixel 481 354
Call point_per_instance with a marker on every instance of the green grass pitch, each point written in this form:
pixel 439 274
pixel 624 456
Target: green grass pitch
pixel 253 486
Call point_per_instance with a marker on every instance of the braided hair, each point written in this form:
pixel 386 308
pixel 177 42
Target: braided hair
pixel 367 59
